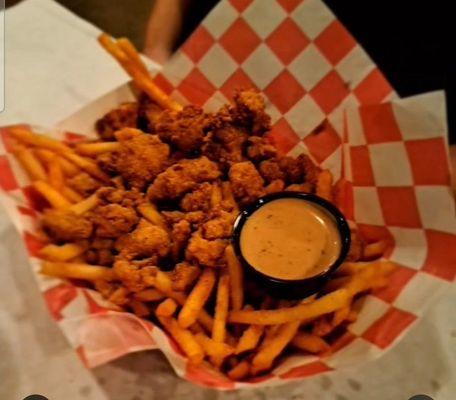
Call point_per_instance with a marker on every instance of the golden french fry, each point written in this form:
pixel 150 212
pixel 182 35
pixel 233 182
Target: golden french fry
pixel 197 298
pixel 324 185
pixel 149 211
pixel 372 276
pixel 95 149
pixel 139 308
pixel 77 271
pixel 88 166
pixel 30 163
pixel 53 197
pixel 71 194
pixel 184 339
pixel 324 305
pixel 239 371
pixel 310 343
pixel 236 278
pixel 85 205
pixel 322 326
pixel 216 195
pixel 217 351
pixel 250 338
pixel 55 174
pixel 267 354
pixel 45 155
pixel 131 52
pixel 166 308
pixel 221 309
pixel 375 250
pixel 147 295
pixel 340 316
pixel 35 139
pixel 65 252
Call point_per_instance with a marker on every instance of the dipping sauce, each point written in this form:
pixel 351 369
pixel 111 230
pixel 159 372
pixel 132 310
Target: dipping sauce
pixel 290 239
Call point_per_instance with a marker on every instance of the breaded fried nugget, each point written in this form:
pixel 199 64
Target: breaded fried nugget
pixel 66 226
pixel 249 111
pixel 113 220
pixel 259 148
pixel 184 275
pixel 132 276
pixel 146 240
pixel 140 158
pixel 126 198
pixel 124 116
pixel 148 113
pixel 182 177
pixel 84 184
pixel 180 234
pixel 205 252
pixel 184 129
pixel 198 199
pixel 246 182
pixel 219 226
pixel 270 170
pixel 193 217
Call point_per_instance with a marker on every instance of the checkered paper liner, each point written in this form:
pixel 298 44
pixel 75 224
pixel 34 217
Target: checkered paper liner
pixel 329 100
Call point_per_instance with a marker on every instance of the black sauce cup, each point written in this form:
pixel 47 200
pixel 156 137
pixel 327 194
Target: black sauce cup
pixel 296 288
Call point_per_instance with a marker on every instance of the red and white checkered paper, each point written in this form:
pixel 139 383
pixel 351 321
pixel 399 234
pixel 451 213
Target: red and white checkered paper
pixel 329 100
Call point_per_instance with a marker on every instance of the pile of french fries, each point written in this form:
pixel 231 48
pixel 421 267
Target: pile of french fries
pixel 211 321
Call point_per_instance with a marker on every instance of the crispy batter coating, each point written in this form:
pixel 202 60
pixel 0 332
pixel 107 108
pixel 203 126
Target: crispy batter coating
pixel 193 217
pixel 180 234
pixel 246 182
pixel 184 275
pixel 101 252
pixel 146 240
pixel 126 198
pixel 124 116
pixel 205 252
pixel 84 184
pixel 309 168
pixel 132 276
pixel 184 129
pixel 275 186
pixel 270 170
pixel 66 226
pixel 113 292
pixel 198 199
pixel 183 177
pixel 249 111
pixel 141 157
pixel 292 169
pixel 259 148
pixel 148 113
pixel 219 226
pixel 113 220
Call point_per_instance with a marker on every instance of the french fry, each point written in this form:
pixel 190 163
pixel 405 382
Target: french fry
pixel 250 338
pixel 375 250
pixel 149 295
pixel 166 308
pixel 142 80
pixel 310 343
pixel 184 339
pixel 239 371
pixel 150 212
pixel 77 271
pixel 217 351
pixel 372 276
pixel 236 279
pixel 45 155
pixel 340 316
pixel 85 205
pixel 65 252
pixel 267 354
pixel 55 174
pixel 324 305
pixel 37 140
pixel 139 308
pixel 221 309
pixel 88 166
pixel 131 52
pixel 71 194
pixel 197 298
pixel 30 163
pixel 53 197
pixel 324 185
pixel 216 195
pixel 95 149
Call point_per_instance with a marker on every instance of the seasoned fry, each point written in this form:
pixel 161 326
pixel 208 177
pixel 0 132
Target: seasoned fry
pixel 239 371
pixel 324 305
pixel 55 174
pixel 35 139
pixel 45 157
pixel 375 250
pixel 130 50
pixel 139 308
pixel 95 149
pixel 65 252
pixel 184 339
pixel 149 295
pixel 150 212
pixel 77 271
pixel 217 351
pixel 310 343
pixel 197 298
pixel 30 163
pixel 250 338
pixel 71 195
pixel 324 185
pixel 87 165
pixel 236 278
pixel 53 197
pixel 85 205
pixel 267 354
pixel 221 309
pixel 166 308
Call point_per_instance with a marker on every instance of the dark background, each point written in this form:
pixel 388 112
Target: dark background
pixel 412 42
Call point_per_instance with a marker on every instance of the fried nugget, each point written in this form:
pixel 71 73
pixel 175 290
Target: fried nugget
pixel 270 170
pixel 180 234
pixel 198 199
pixel 219 226
pixel 132 276
pixel 84 184
pixel 113 220
pixel 66 226
pixel 182 177
pixel 259 148
pixel 184 275
pixel 205 252
pixel 124 116
pixel 148 113
pixel 246 182
pixel 193 217
pixel 249 111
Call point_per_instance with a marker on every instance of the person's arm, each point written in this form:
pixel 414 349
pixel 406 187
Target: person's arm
pixel 163 29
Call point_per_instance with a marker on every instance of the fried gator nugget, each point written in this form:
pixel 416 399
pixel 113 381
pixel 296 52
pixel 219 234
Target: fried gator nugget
pixel 66 226
pixel 246 182
pixel 124 116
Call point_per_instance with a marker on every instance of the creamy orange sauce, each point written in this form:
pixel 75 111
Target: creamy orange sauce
pixel 290 239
